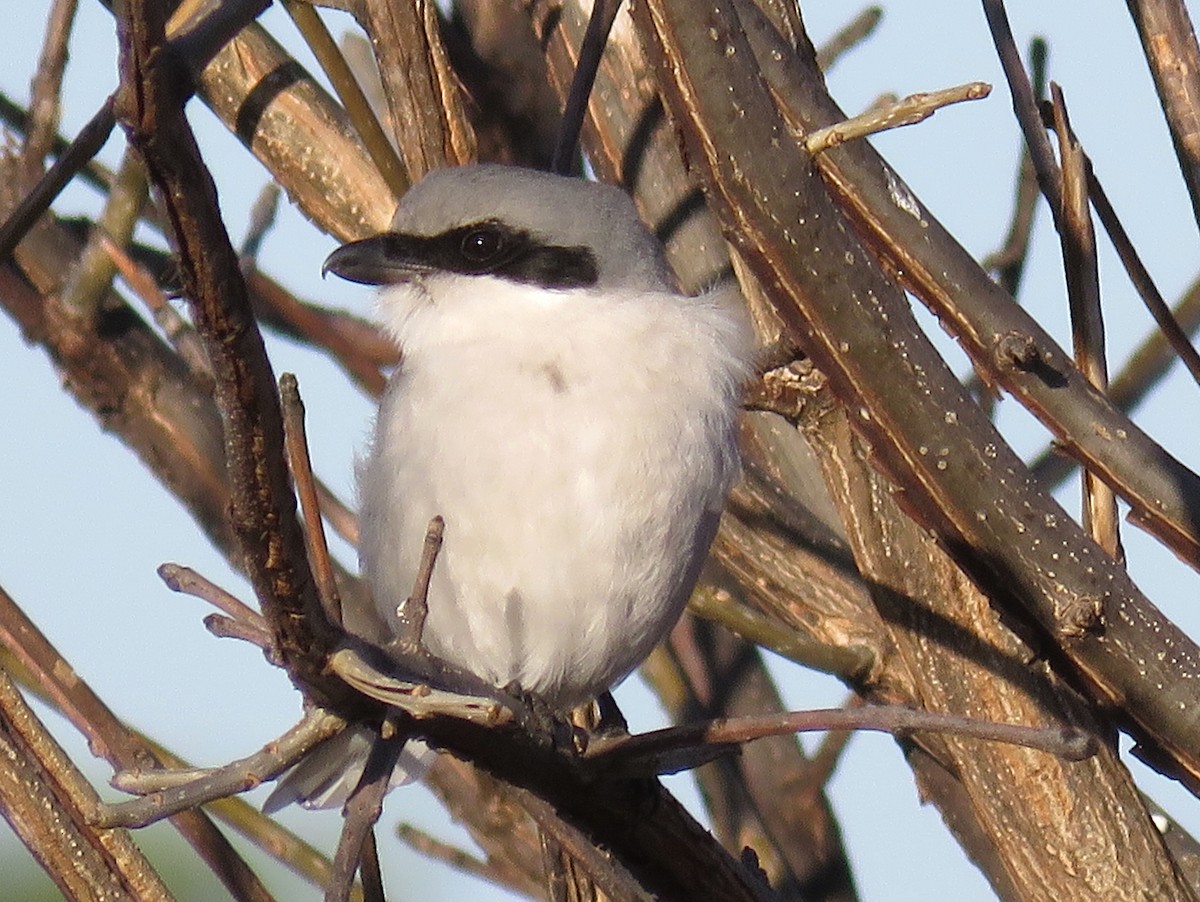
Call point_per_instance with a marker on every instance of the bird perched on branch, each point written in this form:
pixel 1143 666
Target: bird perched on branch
pixel 564 408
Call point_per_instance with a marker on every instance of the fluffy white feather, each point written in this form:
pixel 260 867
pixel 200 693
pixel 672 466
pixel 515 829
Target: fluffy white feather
pixel 579 445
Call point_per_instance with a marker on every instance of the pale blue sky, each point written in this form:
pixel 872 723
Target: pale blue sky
pixel 83 526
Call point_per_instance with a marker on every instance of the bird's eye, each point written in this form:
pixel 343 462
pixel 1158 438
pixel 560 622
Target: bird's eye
pixel 482 244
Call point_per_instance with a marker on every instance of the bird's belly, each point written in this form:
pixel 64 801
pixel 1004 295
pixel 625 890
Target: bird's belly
pixel 565 546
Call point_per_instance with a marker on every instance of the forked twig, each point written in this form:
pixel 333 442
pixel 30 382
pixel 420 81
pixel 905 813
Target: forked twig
pixel 188 582
pixel 168 792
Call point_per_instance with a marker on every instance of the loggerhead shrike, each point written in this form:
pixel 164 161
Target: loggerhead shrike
pixel 569 414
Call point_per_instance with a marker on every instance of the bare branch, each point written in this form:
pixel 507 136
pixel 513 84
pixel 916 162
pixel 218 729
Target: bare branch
pixel 44 799
pixel 263 508
pixel 363 810
pixel 167 792
pixel 422 93
pixel 321 42
pixel 45 94
pixel 670 749
pixel 186 580
pixel 600 23
pixel 909 111
pixel 1169 42
pixel 116 743
pixel 849 36
pixel 933 441
pixel 296 440
pixel 1087 319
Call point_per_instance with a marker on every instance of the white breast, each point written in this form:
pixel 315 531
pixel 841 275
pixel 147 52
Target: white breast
pixel 578 446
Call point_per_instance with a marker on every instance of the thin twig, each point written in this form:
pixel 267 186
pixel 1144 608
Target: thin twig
pixel 604 13
pixel 262 216
pixel 849 36
pixel 1024 104
pixel 449 854
pixel 1078 239
pixel 45 93
pixel 363 810
pixel 908 111
pixel 1174 333
pixel 338 514
pixel 296 440
pixel 410 619
pixel 223 627
pixel 37 201
pixel 166 795
pixel 187 581
pixel 658 750
pixel 822 765
pixel 1009 261
pixel 178 331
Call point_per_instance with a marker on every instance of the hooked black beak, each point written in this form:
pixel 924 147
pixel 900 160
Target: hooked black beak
pixel 384 259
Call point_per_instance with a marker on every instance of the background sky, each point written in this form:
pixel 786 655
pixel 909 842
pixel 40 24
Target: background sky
pixel 83 526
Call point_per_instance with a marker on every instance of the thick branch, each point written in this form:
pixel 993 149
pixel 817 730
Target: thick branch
pixel 45 799
pixel 1169 41
pixel 924 431
pixel 981 315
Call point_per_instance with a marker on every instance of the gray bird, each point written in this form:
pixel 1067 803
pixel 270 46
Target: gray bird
pixel 569 414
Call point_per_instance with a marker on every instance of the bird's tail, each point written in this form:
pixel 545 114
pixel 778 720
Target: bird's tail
pixel 327 775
